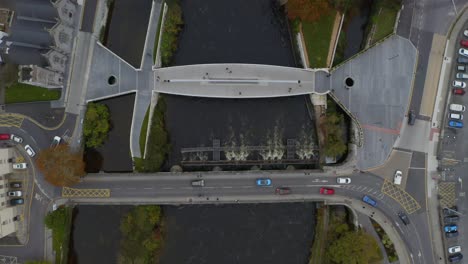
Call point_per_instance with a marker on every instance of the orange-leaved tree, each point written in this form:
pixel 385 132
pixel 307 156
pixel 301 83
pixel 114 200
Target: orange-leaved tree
pixel 61 166
pixel 307 10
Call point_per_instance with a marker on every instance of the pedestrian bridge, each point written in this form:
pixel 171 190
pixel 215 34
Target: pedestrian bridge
pixel 236 80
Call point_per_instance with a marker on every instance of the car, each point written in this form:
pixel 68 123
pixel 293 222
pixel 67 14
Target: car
pixel 464 43
pixel 4 136
pixel 198 183
pixel 369 201
pixel 461 75
pixel 455 116
pixel 459 84
pixel 455 124
pixel 343 180
pixel 450 211
pixel 56 141
pixel 465 32
pixel 411 117
pixel 455 257
pixel 457 107
pixel 15 184
pixel 451 219
pixel 404 218
pixel 451 234
pixel 463 52
pixel 398 177
pixel 462 60
pixel 30 151
pixel 15 193
pixel 263 182
pixel 461 68
pixel 454 249
pixel 16 138
pixel 17 201
pixel 327 191
pixel 450 228
pixel 20 166
pixel 283 190
pixel 458 91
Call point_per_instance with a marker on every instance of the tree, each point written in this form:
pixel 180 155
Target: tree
pixel 60 166
pixel 341 5
pixel 96 125
pixel 307 10
pixel 354 248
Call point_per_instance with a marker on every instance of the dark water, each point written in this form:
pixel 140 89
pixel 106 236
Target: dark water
pixel 355 26
pixel 114 155
pixel 262 233
pixel 96 234
pixel 127 29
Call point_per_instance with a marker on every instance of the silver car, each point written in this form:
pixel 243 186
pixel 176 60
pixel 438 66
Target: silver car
pixel 454 249
pixel 343 180
pixel 459 84
pixel 30 151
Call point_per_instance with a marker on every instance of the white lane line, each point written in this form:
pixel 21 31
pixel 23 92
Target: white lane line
pixel 117 188
pixel 168 188
pixel 131 188
pixel 227 187
pixel 248 186
pixel 148 188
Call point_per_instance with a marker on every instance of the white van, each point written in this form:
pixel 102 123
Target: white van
pixel 457 107
pixel 398 177
pixel 456 116
pixel 462 76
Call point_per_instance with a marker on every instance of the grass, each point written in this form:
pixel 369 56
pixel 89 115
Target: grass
pixel 60 221
pixel 172 27
pixel 317 36
pixel 385 21
pixel 20 93
pixel 158 32
pixel 316 256
pixel 144 130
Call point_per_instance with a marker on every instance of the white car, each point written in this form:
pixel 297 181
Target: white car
pixel 56 141
pixel 465 32
pixel 398 177
pixel 20 166
pixel 459 84
pixel 30 151
pixel 16 138
pixel 341 180
pixel 15 193
pixel 454 249
pixel 463 52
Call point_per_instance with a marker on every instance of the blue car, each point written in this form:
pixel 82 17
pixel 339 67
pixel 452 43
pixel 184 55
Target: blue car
pixel 455 124
pixel 369 200
pixel 450 228
pixel 263 182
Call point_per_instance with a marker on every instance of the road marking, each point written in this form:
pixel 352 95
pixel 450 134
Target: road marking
pixel 131 188
pixel 168 188
pixel 148 188
pixel 227 187
pixel 247 186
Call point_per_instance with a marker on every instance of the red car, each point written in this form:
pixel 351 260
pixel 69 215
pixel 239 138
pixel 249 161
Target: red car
pixel 464 43
pixel 458 91
pixel 283 190
pixel 326 191
pixel 4 136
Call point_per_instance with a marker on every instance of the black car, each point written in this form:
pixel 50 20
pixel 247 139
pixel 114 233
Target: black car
pixel 17 201
pixel 455 257
pixel 404 218
pixel 462 60
pixel 411 117
pixel 15 185
pixel 451 219
pixel 450 211
pixel 451 234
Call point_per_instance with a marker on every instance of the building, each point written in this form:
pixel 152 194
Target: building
pixel 57 61
pixel 35 75
pixel 63 37
pixel 66 11
pixel 8 214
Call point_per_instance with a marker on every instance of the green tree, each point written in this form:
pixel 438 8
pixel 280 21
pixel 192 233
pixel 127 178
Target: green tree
pixel 335 144
pixel 354 248
pixel 96 124
pixel 37 262
pixel 172 27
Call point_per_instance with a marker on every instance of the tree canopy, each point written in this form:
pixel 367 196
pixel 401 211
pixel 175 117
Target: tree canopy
pixel 354 248
pixel 96 124
pixel 60 166
pixel 335 144
pixel 307 10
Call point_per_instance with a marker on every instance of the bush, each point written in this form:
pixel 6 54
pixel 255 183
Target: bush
pixel 172 27
pixel 335 144
pixel 96 125
pixel 59 221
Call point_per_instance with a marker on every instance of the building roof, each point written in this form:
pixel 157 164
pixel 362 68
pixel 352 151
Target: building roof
pixel 66 10
pixel 63 37
pixel 57 61
pixel 35 75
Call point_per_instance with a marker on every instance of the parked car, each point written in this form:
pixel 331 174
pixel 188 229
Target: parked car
pixel 343 180
pixel 465 32
pixel 198 183
pixel 16 138
pixel 398 177
pixel 450 228
pixel 15 184
pixel 404 218
pixel 451 219
pixel 461 68
pixel 30 151
pixel 464 43
pixel 462 60
pixel 4 136
pixel 456 116
pixel 17 201
pixel 369 201
pixel 15 193
pixel 455 124
pixel 458 91
pixel 459 84
pixel 56 141
pixel 457 107
pixel 263 182
pixel 455 258
pixel 463 52
pixel 20 166
pixel 283 190
pixel 461 75
pixel 327 191
pixel 454 249
pixel 451 234
pixel 411 117
pixel 450 211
